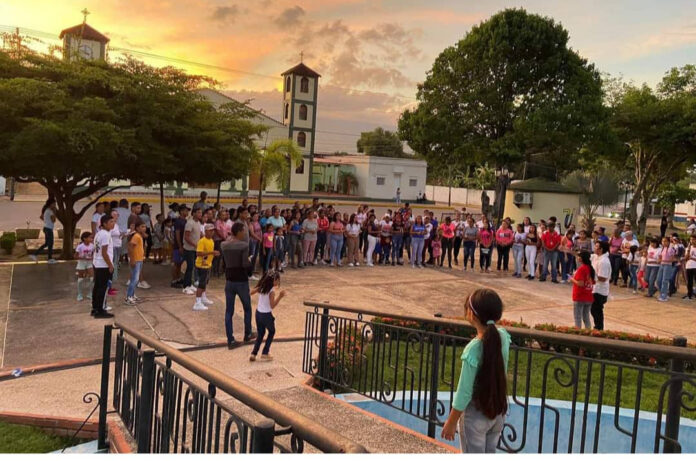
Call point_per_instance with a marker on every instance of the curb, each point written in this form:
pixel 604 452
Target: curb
pixel 62 426
pixel 383 420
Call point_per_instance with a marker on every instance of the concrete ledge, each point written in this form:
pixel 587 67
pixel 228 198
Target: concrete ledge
pixel 61 426
pixel 120 440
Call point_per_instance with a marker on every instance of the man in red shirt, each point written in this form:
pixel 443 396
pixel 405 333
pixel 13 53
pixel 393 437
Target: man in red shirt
pixel 550 241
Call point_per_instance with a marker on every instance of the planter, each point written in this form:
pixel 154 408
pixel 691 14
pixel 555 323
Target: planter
pixel 77 233
pixel 27 234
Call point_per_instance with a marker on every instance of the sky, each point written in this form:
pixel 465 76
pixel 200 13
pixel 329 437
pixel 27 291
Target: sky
pixel 371 53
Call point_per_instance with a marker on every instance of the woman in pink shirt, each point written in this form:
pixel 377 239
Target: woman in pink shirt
pixel 615 255
pixel 486 238
pixel 504 238
pixel 448 228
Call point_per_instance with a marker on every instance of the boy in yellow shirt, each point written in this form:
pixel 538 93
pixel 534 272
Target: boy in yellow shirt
pixel 204 261
pixel 136 256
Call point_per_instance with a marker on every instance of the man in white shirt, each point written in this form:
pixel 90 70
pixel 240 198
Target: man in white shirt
pixel 600 291
pixel 96 217
pixel 102 260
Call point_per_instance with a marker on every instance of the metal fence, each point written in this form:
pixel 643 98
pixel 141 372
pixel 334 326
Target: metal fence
pixel 172 403
pixel 412 364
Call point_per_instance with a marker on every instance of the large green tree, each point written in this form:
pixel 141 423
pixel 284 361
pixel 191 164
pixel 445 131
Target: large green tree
pixel 657 129
pixel 380 143
pixel 511 90
pixel 76 126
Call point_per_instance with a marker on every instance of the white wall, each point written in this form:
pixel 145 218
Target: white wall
pixel 460 196
pixel 389 169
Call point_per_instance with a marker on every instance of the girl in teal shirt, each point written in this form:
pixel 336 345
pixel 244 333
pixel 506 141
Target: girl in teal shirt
pixel 480 403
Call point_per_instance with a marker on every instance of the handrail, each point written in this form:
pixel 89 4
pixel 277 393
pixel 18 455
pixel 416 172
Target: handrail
pixel 308 430
pixel 632 347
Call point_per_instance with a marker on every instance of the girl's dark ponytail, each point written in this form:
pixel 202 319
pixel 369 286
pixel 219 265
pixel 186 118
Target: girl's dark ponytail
pixel 490 386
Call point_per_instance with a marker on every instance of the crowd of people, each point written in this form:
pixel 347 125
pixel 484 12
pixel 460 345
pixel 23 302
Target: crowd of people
pixel 192 240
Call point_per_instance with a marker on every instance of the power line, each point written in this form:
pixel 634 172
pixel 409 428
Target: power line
pixel 197 64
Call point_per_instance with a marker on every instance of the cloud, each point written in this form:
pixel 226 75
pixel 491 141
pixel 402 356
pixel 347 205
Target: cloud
pixel 225 14
pixel 290 16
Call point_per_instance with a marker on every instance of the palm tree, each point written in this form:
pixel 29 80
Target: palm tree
pixel 348 181
pixel 274 164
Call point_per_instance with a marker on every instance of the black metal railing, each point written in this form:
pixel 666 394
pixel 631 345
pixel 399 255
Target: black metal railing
pixel 581 386
pixel 172 403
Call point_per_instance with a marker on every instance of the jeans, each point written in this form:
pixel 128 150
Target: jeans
pixel 581 312
pixel 264 322
pixel 446 250
pixel 386 252
pixel 240 289
pixel 477 433
pixel 651 273
pixel 469 252
pixel 101 283
pixel 615 267
pixel 550 257
pixel 416 251
pixel 457 246
pixel 690 274
pixel 518 256
pixel 633 271
pixel 336 243
pixel 567 260
pixel 267 258
pixel 134 277
pixel 48 243
pixel 667 271
pixel 503 257
pixel 597 310
pixel 190 258
pixel 485 257
pixel 293 241
pixel 321 245
pixel 371 244
pixel 253 252
pixel 407 246
pixel 530 251
pixel 396 249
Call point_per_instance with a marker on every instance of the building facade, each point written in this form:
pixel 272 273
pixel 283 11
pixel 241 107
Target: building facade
pixel 83 41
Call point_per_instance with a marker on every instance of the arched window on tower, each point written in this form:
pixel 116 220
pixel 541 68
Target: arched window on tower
pixel 303 112
pixel 304 85
pixel 301 139
pixel 287 110
pixel 287 84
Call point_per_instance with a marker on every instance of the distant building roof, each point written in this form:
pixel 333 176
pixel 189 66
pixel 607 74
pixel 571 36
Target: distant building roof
pixel 301 69
pixel 86 32
pixel 541 185
pixel 207 91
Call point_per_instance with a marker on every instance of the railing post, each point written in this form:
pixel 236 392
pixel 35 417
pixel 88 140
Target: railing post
pixel 262 436
pixel 145 403
pixel 323 346
pixel 434 373
pixel 673 416
pixel 104 391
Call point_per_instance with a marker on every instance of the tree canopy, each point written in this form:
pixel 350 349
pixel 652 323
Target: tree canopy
pixel 510 90
pixel 74 126
pixel 381 143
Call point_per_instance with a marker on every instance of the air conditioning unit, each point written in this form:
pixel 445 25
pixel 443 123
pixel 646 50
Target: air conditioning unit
pixel 522 198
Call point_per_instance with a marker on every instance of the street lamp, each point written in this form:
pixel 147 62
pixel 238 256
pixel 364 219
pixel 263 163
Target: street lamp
pixel 625 186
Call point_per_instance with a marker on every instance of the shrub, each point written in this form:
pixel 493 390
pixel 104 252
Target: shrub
pixel 7 241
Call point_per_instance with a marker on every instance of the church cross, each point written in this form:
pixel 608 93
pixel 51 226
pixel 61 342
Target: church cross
pixel 301 56
pixel 84 12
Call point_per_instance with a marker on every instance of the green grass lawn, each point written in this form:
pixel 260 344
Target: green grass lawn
pixel 28 439
pixel 406 367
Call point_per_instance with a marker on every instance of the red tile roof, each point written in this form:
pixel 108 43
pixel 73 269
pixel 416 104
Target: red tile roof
pixel 88 33
pixel 301 69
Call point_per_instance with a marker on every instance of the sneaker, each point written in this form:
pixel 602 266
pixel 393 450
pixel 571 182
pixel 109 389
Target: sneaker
pixel 323 262
pixel 250 338
pixel 252 358
pixel 284 264
pixel 79 298
pixel 34 258
pixel 129 301
pixel 207 302
pixel 370 265
pixel 340 264
pixel 231 344
pixel 103 315
pixel 662 300
pixel 108 308
pixel 357 264
pixel 634 292
pixel 89 296
pixel 190 290
pixel 195 284
pixel 200 307
pixel 52 261
pixel 351 264
pixel 554 281
pixel 267 357
pixel 254 277
pixel 136 299
pixel 144 285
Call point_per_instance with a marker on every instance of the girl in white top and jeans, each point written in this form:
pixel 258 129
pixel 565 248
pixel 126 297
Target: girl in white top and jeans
pixel 264 313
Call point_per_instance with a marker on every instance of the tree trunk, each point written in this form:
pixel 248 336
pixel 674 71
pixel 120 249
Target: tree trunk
pixel 449 196
pixel 218 192
pixel 69 222
pixel 161 187
pixel 260 191
pixel 670 216
pixel 643 220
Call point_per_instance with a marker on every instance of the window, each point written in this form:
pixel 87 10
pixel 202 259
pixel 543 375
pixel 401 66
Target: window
pixel 287 84
pixel 300 167
pixel 380 180
pixel 413 182
pixel 301 139
pixel 303 112
pixel 304 85
pixel 287 110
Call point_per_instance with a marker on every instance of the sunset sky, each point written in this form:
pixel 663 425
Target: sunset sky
pixel 381 48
